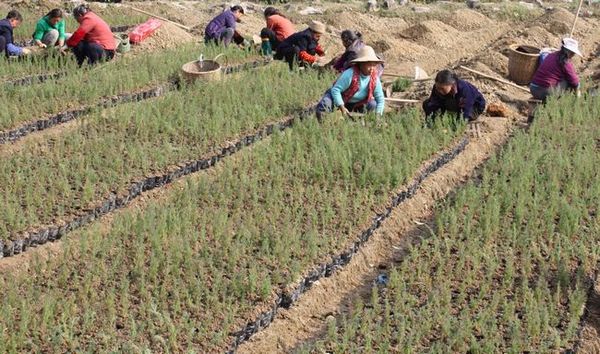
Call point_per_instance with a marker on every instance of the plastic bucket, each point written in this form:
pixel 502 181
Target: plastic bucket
pixel 522 63
pixel 124 45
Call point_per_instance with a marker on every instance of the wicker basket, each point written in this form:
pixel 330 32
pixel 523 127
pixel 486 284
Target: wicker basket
pixel 522 63
pixel 209 70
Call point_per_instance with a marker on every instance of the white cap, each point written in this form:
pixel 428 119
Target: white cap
pixel 571 45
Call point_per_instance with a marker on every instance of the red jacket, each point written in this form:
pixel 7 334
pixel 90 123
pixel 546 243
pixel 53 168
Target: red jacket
pixel 282 27
pixel 93 29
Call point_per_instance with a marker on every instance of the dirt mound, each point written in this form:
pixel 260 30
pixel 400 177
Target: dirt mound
pixel 381 46
pixel 365 23
pixel 557 15
pixel 431 32
pixel 42 5
pixel 468 20
pixel 167 36
pixel 538 36
pixel 559 21
pixel 558 28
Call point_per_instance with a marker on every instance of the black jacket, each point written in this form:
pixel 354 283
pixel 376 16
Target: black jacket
pixel 467 101
pixel 296 43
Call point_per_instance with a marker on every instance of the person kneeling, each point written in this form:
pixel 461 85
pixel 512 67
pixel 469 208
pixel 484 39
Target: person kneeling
pixel 451 94
pixel 93 39
pixel 358 89
pixel 50 30
pixel 556 74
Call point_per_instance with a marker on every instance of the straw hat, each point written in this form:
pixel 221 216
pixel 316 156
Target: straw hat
pixel 366 54
pixel 572 45
pixel 318 27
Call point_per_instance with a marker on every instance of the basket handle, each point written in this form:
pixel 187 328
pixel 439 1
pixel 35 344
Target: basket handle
pixel 222 55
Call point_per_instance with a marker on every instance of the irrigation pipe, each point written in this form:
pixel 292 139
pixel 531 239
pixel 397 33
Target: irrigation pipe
pixel 286 299
pixel 66 116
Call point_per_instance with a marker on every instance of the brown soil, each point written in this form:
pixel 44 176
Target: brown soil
pixel 167 36
pixel 307 319
pixel 468 20
pixel 589 342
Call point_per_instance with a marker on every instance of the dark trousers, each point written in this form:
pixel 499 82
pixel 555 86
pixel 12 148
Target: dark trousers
pixel 268 33
pixel 92 52
pixel 3 45
pixel 451 106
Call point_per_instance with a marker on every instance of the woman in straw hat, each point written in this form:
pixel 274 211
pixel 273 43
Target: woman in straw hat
pixel 358 89
pixel 302 46
pixel 556 73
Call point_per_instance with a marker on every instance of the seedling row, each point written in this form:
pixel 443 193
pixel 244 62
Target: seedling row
pixel 52 180
pixel 288 297
pixel 186 270
pixel 156 91
pixel 71 91
pixel 508 263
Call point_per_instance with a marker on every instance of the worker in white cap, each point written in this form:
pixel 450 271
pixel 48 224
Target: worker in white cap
pixel 358 89
pixel 556 73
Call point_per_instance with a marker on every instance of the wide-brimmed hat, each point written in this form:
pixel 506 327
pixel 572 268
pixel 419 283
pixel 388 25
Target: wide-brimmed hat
pixel 318 27
pixel 571 45
pixel 365 55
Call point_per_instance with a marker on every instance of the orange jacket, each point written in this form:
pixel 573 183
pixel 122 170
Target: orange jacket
pixel 282 27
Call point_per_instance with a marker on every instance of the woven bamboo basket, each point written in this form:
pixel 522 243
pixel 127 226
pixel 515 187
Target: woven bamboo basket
pixel 207 70
pixel 522 63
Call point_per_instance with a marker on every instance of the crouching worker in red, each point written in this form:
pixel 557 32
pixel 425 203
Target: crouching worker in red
pixel 358 89
pixel 303 47
pixel 93 40
pixel 453 95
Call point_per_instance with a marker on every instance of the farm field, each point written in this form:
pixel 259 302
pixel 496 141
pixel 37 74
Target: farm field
pixel 207 246
pixel 102 155
pixel 522 246
pixel 222 216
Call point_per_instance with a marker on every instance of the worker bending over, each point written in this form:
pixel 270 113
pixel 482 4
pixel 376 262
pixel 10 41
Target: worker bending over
pixel 221 29
pixel 556 73
pixel 451 94
pixel 50 30
pixel 302 47
pixel 278 27
pixel 93 40
pixel 7 44
pixel 358 89
pixel 353 42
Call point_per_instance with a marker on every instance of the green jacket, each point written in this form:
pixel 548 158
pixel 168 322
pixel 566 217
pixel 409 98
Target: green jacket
pixel 44 26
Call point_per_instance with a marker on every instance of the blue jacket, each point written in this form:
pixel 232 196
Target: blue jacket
pixel 467 100
pixel 6 32
pixel 225 20
pixel 344 82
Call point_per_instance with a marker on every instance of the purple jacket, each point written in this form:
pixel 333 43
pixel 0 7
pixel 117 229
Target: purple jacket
pixel 350 54
pixel 225 20
pixel 551 72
